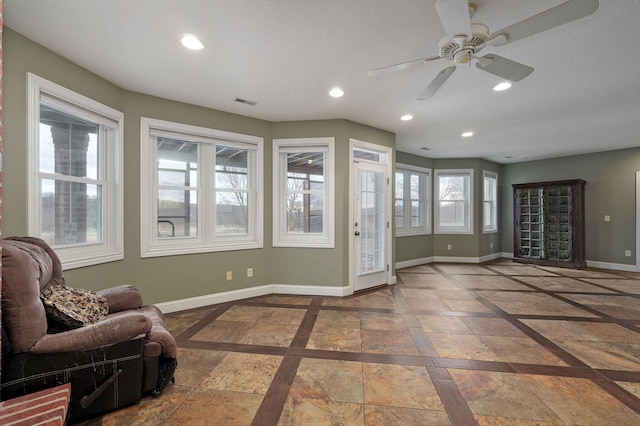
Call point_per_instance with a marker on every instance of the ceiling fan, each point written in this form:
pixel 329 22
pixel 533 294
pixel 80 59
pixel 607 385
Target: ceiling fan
pixel 464 40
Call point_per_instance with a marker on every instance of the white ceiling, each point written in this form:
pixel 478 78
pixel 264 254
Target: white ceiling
pixel 285 55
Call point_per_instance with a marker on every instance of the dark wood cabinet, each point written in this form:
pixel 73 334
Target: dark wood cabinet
pixel 549 223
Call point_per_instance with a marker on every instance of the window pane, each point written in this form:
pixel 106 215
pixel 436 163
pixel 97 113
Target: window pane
pixel 487 214
pixel 177 213
pixel 71 212
pixel 304 210
pixel 231 168
pixel 416 220
pixel 400 214
pixel 369 155
pixel 68 145
pixel 309 165
pixel 304 213
pixel 452 213
pixel 487 189
pixel 316 208
pixel 490 205
pixel 399 185
pixel 177 162
pixel 415 187
pixel 452 187
pixel 232 212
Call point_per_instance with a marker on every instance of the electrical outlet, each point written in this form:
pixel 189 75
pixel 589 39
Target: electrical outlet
pixel 249 272
pixel 448 246
pixel 607 218
pixel 229 275
pixel 627 253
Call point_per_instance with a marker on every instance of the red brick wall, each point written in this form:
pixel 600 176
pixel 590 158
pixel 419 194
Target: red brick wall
pixel 1 27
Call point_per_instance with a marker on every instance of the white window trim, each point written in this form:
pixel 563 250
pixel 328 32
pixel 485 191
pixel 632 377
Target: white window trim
pixel 494 220
pixel 112 247
pixel 425 229
pixel 206 241
pixel 468 226
pixel 316 240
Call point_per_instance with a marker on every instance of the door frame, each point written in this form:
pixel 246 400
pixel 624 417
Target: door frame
pixel 355 143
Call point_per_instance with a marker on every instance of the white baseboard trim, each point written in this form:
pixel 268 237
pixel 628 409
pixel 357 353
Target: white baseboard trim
pixel 213 299
pixel 413 262
pixel 307 290
pixel 246 293
pixel 448 259
pixel 453 259
pixel 456 259
pixel 613 266
pixel 489 257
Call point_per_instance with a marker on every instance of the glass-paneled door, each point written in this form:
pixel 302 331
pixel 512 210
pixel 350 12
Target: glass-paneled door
pixel 370 225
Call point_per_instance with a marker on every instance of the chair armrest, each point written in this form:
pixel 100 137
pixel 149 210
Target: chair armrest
pixel 121 298
pixel 159 332
pixel 104 333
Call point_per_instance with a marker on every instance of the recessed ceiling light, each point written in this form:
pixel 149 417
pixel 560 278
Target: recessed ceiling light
pixel 191 42
pixel 467 134
pixel 406 117
pixel 336 92
pixel 503 86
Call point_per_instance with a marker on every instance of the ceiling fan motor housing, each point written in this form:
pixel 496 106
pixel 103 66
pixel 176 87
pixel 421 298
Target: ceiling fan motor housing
pixel 453 49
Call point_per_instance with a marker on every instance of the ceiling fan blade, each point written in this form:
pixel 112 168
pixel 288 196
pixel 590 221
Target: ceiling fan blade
pixel 550 18
pixel 503 67
pixel 455 18
pixel 402 66
pixel 437 82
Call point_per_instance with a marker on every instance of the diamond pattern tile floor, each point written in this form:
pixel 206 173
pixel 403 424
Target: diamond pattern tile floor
pixel 449 344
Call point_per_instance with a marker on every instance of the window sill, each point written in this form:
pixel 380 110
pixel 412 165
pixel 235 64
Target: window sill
pixel 412 233
pixel 157 251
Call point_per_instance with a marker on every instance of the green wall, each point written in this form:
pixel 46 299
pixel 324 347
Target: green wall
pixel 610 190
pixel 325 266
pixel 475 245
pixel 420 246
pixel 173 277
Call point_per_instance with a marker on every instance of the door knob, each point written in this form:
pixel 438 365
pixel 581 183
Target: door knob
pixel 357 233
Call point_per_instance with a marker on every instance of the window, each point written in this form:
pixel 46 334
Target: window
pixel 412 203
pixel 201 189
pixel 454 212
pixel 303 181
pixel 74 174
pixel 490 202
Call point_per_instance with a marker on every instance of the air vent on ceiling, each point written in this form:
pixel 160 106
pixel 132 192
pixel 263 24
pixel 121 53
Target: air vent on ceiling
pixel 244 101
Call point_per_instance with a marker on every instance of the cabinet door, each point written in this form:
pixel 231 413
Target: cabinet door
pixel 558 228
pixel 529 232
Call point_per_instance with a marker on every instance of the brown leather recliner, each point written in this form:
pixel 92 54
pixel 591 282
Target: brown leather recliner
pixel 110 363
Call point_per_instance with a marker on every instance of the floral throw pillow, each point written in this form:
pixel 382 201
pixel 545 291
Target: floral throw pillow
pixel 73 307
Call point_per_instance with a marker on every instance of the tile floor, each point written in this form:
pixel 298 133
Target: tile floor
pixel 450 344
